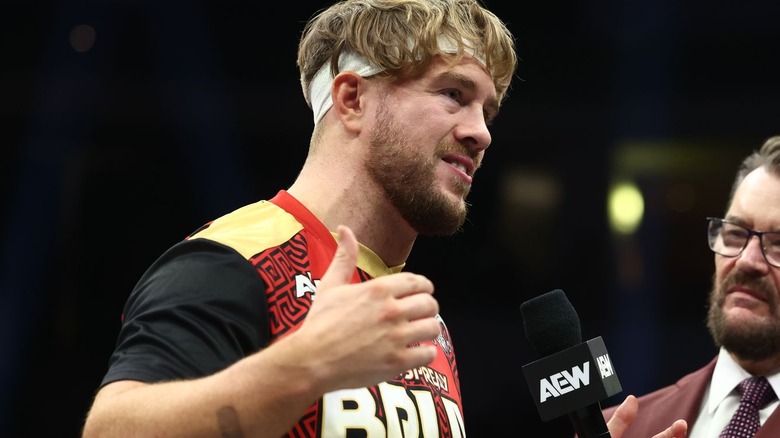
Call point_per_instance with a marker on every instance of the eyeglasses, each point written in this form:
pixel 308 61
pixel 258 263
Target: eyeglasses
pixel 729 240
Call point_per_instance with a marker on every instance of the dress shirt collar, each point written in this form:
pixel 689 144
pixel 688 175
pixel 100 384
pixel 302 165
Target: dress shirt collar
pixel 726 377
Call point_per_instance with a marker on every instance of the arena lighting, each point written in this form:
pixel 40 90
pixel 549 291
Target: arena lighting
pixel 625 207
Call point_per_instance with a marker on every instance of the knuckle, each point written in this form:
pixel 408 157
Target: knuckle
pixel 391 311
pixel 396 359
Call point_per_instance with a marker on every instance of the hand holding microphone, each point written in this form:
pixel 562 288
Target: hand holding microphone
pixel 573 377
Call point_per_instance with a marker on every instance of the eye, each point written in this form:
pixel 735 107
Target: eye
pixel 453 93
pixel 734 236
pixel 489 117
pixel 772 240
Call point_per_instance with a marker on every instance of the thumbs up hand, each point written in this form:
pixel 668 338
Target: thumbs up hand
pixel 364 333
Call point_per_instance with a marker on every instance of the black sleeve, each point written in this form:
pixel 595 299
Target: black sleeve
pixel 198 309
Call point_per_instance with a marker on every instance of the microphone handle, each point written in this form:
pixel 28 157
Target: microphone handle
pixel 589 422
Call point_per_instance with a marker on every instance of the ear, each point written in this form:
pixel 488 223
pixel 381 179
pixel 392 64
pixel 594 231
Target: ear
pixel 346 94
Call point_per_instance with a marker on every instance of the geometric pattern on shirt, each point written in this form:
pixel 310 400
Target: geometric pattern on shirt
pixel 756 394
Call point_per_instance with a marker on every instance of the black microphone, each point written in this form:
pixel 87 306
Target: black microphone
pixel 573 376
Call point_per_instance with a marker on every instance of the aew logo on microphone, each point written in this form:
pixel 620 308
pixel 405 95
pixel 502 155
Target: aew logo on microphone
pixel 571 379
pixel 567 381
pixel 605 366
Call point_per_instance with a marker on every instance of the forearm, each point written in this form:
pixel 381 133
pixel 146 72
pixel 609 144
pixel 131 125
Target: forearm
pixel 256 397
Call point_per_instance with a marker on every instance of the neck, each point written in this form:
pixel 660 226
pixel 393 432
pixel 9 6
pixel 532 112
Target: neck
pixel 352 199
pixel 759 367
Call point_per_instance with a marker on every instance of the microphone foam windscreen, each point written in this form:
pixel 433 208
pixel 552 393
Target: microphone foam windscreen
pixel 550 322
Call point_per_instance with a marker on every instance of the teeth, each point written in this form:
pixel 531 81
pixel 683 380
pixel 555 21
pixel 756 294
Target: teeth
pixel 458 165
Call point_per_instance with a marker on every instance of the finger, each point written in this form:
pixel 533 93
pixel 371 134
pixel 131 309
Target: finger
pixel 418 306
pixel 417 356
pixel 623 417
pixel 402 284
pixel 680 429
pixel 422 330
pixel 344 261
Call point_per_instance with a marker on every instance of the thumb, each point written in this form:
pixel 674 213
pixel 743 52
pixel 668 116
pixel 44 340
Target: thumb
pixel 343 264
pixel 623 416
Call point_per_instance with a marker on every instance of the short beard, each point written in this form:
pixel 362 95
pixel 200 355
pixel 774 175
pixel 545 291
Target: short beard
pixel 755 342
pixel 409 180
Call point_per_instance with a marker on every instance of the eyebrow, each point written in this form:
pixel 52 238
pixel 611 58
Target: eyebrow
pixel 738 220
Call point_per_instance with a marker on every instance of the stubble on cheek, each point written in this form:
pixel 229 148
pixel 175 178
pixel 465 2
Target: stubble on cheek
pixel 229 426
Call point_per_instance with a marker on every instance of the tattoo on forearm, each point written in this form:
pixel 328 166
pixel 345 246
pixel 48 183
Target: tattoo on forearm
pixel 229 427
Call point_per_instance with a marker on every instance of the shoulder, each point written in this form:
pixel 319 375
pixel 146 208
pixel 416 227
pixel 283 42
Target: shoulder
pixel 251 228
pixel 199 270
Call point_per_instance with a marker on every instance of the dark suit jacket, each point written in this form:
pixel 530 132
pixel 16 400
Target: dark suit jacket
pixel 660 408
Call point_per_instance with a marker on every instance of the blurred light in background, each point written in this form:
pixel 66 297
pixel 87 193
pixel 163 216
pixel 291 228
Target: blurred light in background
pixel 625 207
pixel 82 38
pixel 530 200
pixel 681 198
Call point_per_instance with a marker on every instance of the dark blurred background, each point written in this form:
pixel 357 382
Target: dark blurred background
pixel 126 124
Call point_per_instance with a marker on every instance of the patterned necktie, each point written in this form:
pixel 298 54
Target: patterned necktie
pixel 756 394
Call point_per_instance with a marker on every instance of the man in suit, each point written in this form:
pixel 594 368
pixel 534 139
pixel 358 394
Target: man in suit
pixel 743 314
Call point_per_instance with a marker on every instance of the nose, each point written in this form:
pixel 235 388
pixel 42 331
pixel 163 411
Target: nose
pixel 473 130
pixel 752 257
